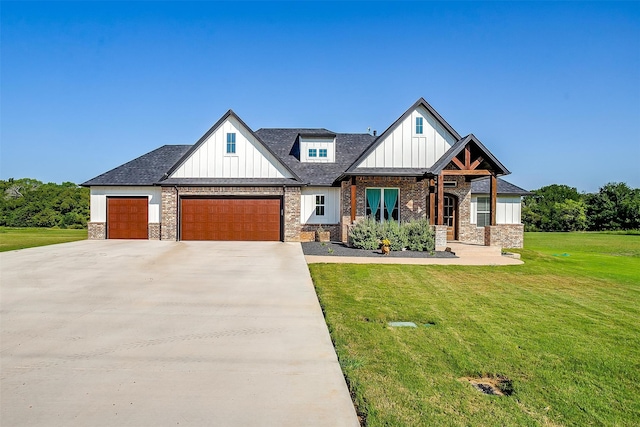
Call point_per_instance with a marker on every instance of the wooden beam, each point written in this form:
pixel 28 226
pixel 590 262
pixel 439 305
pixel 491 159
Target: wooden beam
pixel 494 197
pixel 440 199
pixel 353 199
pixel 458 163
pixel 467 157
pixel 475 164
pixel 432 202
pixel 466 172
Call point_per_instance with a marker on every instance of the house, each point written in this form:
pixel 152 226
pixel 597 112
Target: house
pixel 235 183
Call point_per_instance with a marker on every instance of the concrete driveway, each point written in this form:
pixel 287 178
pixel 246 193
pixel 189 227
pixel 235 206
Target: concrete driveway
pixel 150 333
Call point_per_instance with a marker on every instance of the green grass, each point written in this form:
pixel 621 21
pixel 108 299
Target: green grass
pixel 21 238
pixel 564 327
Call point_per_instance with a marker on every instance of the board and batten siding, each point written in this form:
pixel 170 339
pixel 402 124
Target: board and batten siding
pixel 508 209
pixel 98 196
pixel 331 206
pixel 403 148
pixel 251 159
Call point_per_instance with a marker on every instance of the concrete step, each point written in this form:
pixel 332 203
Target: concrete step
pixel 462 249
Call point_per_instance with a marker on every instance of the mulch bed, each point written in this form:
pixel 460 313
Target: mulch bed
pixel 340 249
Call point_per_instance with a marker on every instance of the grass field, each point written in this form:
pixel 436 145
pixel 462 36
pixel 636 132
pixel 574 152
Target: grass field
pixel 21 238
pixel 564 328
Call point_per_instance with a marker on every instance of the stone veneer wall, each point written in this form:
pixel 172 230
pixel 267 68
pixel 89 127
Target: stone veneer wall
pixel 97 230
pixel 505 235
pixel 291 206
pixel 154 231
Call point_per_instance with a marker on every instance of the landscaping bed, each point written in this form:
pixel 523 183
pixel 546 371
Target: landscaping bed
pixel 340 249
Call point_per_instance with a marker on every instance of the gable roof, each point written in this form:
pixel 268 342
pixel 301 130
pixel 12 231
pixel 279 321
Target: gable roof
pixel 147 169
pixel 456 148
pixel 348 148
pixel 481 186
pixel 213 128
pixel 419 103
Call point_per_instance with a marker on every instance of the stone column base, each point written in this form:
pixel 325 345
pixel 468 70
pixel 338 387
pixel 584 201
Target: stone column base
pixel 504 235
pixel 441 237
pixel 97 230
pixel 154 231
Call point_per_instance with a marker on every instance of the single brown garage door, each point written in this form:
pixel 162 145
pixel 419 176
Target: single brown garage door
pixel 127 218
pixel 230 219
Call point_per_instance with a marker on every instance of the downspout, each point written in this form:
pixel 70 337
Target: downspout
pixel 178 212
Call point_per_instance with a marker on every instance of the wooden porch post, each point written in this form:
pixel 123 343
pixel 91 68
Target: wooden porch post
pixel 440 199
pixel 353 199
pixel 493 197
pixel 432 202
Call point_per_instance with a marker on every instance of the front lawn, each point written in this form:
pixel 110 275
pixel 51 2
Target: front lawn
pixel 21 238
pixel 564 328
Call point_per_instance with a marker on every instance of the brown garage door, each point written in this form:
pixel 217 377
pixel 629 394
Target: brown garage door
pixel 230 219
pixel 127 217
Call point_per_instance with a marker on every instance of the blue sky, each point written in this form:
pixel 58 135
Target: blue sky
pixel 552 89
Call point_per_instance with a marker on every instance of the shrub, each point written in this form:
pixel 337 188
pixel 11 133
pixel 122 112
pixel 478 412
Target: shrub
pixel 396 233
pixel 420 236
pixel 414 235
pixel 365 234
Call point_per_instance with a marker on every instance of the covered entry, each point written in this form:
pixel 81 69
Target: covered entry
pixel 230 219
pixel 127 217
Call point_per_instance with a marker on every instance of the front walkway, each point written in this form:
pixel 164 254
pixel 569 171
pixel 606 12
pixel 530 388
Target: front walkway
pixel 155 333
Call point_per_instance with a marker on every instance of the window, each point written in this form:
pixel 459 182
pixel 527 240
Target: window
pixel 450 184
pixel 313 152
pixel 231 143
pixel 319 205
pixel 419 125
pixel 322 152
pixel 382 204
pixel 483 214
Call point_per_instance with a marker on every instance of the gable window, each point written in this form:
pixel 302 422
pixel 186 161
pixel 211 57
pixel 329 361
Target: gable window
pixel 313 152
pixel 483 214
pixel 419 125
pixel 382 204
pixel 322 152
pixel 231 143
pixel 320 205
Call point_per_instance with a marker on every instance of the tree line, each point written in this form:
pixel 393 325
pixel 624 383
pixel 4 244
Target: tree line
pixel 556 207
pixel 28 202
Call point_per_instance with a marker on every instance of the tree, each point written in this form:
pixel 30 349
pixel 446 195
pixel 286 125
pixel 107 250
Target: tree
pixel 615 206
pixel 540 210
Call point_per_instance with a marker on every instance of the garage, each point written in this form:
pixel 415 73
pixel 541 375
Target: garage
pixel 127 217
pixel 230 219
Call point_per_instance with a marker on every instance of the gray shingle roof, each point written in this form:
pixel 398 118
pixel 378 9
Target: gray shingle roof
pixel 481 186
pixel 389 171
pixel 283 143
pixel 145 170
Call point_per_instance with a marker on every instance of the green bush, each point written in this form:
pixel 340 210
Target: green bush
pixel 365 234
pixel 414 235
pixel 420 236
pixel 396 233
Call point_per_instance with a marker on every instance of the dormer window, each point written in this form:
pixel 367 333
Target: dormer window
pixel 317 148
pixel 419 125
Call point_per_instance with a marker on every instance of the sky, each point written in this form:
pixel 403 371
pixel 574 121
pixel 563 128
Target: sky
pixel 552 89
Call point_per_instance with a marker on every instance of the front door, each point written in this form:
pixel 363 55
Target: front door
pixel 450 220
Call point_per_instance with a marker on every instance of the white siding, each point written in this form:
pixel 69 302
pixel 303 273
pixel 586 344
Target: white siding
pixel 331 207
pixel 508 209
pixel 251 159
pixel 403 148
pixel 99 195
pixel 317 143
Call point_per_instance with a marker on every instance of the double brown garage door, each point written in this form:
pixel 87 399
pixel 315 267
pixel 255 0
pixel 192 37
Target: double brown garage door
pixel 230 219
